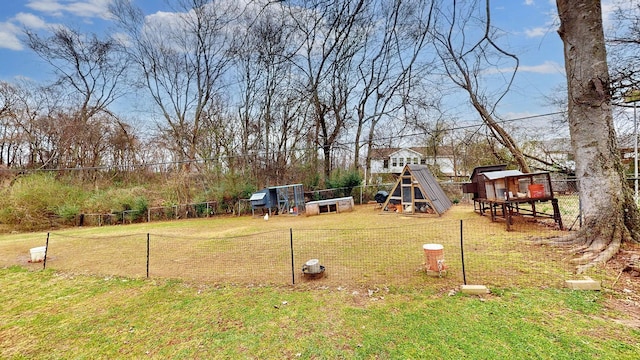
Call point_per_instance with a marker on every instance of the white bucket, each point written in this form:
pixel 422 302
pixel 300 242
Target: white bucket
pixel 37 253
pixel 312 266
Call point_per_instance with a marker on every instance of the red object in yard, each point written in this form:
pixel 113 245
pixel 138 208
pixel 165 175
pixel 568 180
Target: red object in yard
pixel 536 190
pixel 434 256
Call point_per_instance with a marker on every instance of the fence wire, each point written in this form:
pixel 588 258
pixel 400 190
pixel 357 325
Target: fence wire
pixel 370 257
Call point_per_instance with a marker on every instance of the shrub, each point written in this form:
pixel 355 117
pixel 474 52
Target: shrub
pixel 344 182
pixel 39 201
pixel 232 189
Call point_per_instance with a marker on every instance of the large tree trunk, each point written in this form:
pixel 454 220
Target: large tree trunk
pixel 610 215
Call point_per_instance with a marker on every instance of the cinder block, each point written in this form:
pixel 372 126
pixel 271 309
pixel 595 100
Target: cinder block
pixel 586 284
pixel 474 289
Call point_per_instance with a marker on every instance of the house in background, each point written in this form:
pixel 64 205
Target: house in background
pixel 552 154
pixel 393 160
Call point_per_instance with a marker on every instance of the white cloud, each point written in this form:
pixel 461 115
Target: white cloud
pixel 9 36
pixel 536 32
pixel 608 12
pixel 547 67
pixel 93 8
pixel 529 2
pixel 122 38
pixel 30 21
pixel 51 7
pixel 87 9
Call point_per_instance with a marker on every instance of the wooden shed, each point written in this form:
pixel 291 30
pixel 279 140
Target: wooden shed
pixel 509 193
pixel 417 191
pixel 476 186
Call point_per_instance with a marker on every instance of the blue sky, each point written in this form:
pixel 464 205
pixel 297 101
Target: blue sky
pixel 529 26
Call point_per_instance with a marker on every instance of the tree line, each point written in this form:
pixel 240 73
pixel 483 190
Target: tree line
pixel 276 92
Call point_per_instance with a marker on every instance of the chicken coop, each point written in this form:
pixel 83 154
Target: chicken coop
pixel 286 199
pixel 506 194
pixel 416 191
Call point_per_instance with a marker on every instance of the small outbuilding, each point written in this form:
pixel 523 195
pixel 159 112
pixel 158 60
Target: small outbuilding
pixel 336 205
pixel 417 191
pixel 509 193
pixel 286 199
pixel 476 186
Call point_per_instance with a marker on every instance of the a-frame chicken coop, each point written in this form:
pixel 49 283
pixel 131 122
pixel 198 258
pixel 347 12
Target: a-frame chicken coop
pixel 417 191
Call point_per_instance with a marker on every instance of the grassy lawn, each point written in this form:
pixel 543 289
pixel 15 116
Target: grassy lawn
pixel 363 247
pixel 62 314
pixel 52 315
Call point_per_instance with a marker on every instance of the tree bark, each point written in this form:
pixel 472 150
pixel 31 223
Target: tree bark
pixel 610 215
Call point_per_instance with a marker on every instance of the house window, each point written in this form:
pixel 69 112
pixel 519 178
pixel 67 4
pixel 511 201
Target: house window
pixel 401 163
pixel 423 161
pixel 408 161
pixel 415 160
pixel 394 162
pixel 385 163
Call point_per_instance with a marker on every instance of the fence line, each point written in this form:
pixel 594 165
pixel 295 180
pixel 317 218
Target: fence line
pixel 372 257
pixel 566 191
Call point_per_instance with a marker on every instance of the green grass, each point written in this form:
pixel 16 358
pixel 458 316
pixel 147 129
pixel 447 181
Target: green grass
pixel 373 304
pixel 360 247
pixel 58 316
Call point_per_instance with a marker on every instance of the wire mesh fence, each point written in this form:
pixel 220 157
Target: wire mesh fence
pixel 371 257
pixel 565 191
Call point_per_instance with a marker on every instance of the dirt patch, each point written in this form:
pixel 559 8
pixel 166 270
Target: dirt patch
pixel 625 297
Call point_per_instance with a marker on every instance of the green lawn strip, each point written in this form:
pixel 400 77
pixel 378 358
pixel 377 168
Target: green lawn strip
pixel 49 315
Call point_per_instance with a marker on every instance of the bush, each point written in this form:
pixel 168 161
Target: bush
pixel 344 182
pixel 68 212
pixel 39 201
pixel 231 190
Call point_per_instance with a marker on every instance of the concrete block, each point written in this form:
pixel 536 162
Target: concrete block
pixel 474 289
pixel 586 284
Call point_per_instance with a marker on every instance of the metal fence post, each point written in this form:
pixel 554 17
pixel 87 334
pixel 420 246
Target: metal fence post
pixel 148 255
pixel 46 250
pixel 464 275
pixel 293 274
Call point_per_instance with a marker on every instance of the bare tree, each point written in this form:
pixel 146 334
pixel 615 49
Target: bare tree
pixel 8 131
pixel 29 106
pixel 623 47
pixel 269 112
pixel 181 61
pixel 331 33
pixel 610 215
pixel 390 66
pixel 465 42
pixel 91 69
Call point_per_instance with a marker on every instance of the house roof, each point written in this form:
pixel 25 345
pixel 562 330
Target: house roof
pixel 407 149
